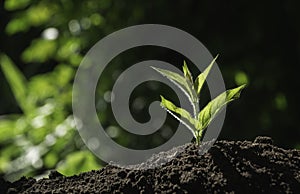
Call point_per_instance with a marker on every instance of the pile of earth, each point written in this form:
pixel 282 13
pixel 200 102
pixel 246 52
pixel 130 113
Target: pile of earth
pixel 229 166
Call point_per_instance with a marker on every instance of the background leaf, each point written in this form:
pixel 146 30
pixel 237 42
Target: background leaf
pixel 81 161
pixel 39 51
pixel 16 80
pixel 15 4
pixel 7 129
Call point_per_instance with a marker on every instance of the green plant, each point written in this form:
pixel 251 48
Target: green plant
pixel 200 119
pixel 42 136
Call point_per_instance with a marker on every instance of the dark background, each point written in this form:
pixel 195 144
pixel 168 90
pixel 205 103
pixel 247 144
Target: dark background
pixel 258 43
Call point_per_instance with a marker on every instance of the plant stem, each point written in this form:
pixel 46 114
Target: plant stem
pixel 196 112
pixel 196 108
pixel 198 138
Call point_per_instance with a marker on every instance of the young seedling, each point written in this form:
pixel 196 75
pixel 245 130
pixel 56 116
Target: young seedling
pixel 198 121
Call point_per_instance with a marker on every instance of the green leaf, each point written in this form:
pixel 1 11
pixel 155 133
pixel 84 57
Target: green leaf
pixel 17 25
pixel 39 14
pixel 187 74
pixel 77 162
pixel 16 80
pixel 40 51
pixel 7 129
pixel 179 81
pixel 189 80
pixel 51 159
pixel 11 126
pixel 11 5
pixel 202 77
pixel 214 106
pixel 170 106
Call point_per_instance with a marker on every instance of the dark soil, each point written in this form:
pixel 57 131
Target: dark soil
pixel 229 166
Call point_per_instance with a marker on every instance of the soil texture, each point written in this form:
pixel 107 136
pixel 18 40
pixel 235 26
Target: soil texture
pixel 228 167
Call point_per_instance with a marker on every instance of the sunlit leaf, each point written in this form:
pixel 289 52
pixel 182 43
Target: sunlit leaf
pixel 179 81
pixel 170 106
pixel 7 129
pixel 187 74
pixel 11 126
pixel 63 73
pixel 39 14
pixel 189 80
pixel 69 47
pixel 51 159
pixel 8 153
pixel 75 59
pixel 39 51
pixel 202 77
pixel 16 80
pixel 213 107
pixel 17 25
pixel 76 162
pixel 11 5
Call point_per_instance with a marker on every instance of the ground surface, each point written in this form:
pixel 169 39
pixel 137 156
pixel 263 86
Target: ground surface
pixel 240 166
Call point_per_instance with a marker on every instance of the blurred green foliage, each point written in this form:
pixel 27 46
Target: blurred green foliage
pixel 43 134
pixel 43 42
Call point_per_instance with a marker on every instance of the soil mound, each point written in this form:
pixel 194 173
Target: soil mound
pixel 229 166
